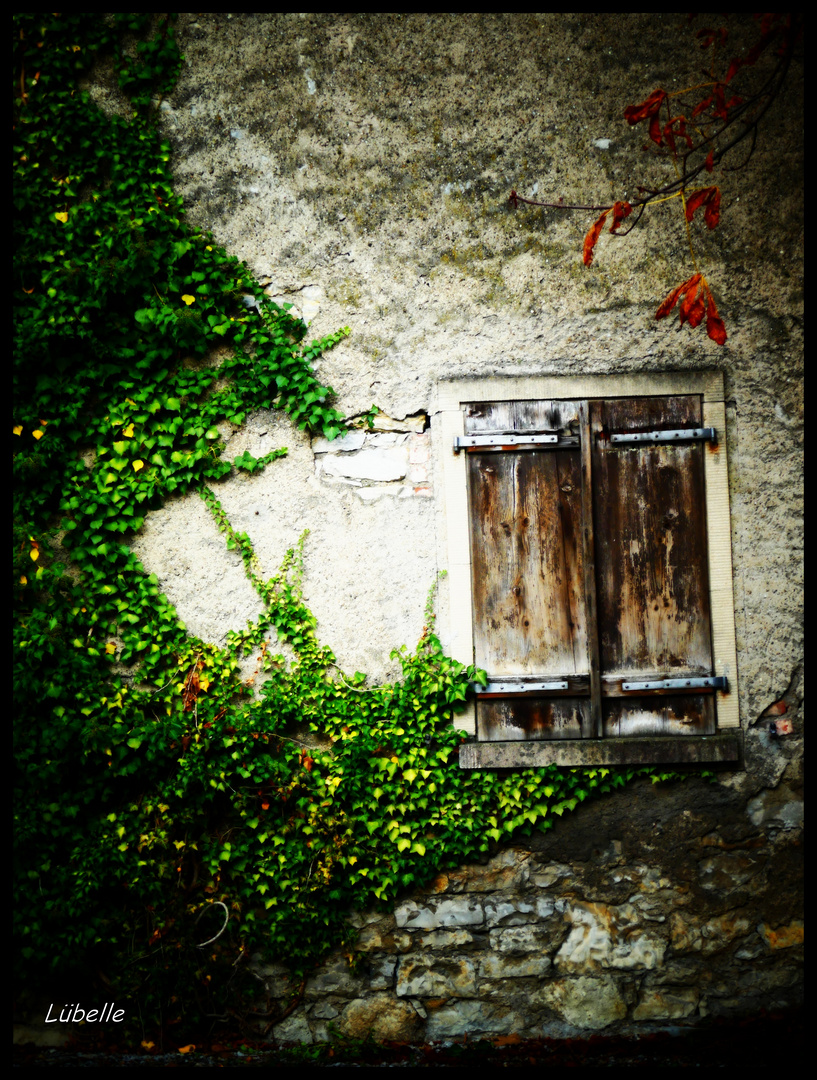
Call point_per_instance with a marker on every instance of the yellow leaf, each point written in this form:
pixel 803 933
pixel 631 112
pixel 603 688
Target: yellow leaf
pixel 34 554
pixel 187 1049
pixel 38 434
pixel 63 216
pixel 147 1045
pixel 110 647
pixel 75 48
pixel 137 465
pixel 128 432
pixel 18 429
pixel 188 299
pixel 24 580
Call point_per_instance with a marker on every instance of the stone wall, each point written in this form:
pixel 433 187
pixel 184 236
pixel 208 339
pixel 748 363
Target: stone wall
pixel 647 912
pixel 361 165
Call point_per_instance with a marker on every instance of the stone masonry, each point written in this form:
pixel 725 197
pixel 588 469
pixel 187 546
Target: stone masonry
pixel 606 924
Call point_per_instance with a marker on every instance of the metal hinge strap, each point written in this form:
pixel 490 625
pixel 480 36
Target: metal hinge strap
pixel 717 682
pixel 519 687
pixel 461 441
pixel 707 433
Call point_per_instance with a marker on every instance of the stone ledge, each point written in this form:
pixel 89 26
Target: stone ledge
pixel 632 751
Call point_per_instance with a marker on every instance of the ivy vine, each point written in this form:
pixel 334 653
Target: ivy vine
pixel 154 790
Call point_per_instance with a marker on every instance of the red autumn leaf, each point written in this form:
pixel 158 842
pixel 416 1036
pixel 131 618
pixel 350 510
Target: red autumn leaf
pixel 592 238
pixel 714 323
pixel 710 198
pixel 691 309
pixel 709 164
pixel 703 104
pixel 670 302
pixel 192 687
pixel 633 114
pixel 648 110
pixel 621 210
pixel 669 134
pixel 722 106
pixel 712 211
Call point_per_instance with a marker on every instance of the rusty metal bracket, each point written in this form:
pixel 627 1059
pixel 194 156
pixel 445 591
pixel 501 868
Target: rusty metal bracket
pixel 716 682
pixel 679 435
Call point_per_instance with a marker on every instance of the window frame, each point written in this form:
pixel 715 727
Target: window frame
pixel 455 554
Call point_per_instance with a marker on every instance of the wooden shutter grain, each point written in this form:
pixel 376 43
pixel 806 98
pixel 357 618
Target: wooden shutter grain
pixel 535 613
pixel 529 617
pixel 651 563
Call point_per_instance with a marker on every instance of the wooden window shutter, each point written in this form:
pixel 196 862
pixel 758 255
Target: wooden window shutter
pixel 589 568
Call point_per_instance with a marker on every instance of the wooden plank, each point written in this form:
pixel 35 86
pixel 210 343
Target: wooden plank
pixel 720 566
pixel 589 570
pixel 671 714
pixel 543 416
pixel 453 393
pixel 502 719
pixel 526 557
pixel 532 754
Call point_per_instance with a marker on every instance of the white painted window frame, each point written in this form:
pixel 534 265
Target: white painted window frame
pixel 454 545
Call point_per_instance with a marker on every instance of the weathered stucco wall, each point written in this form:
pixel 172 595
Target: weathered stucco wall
pixel 361 165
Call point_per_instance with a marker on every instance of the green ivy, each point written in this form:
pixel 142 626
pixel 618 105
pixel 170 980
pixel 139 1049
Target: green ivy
pixel 154 791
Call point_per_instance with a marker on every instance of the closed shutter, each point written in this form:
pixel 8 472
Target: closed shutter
pixel 589 564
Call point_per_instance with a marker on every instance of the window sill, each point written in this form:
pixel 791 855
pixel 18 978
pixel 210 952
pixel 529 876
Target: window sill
pixel 690 749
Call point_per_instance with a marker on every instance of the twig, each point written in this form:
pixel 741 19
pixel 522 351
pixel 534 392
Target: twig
pixel 210 941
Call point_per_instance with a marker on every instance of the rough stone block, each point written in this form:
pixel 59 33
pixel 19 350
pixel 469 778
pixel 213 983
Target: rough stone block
pixel 520 939
pixel 354 440
pixel 667 1003
pixel 783 937
pixel 388 463
pixel 429 976
pixel 602 936
pixel 382 1017
pixel 688 934
pixel 585 1002
pixel 294 1029
pixel 462 911
pixel 509 912
pixel 449 1021
pixel 505 967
